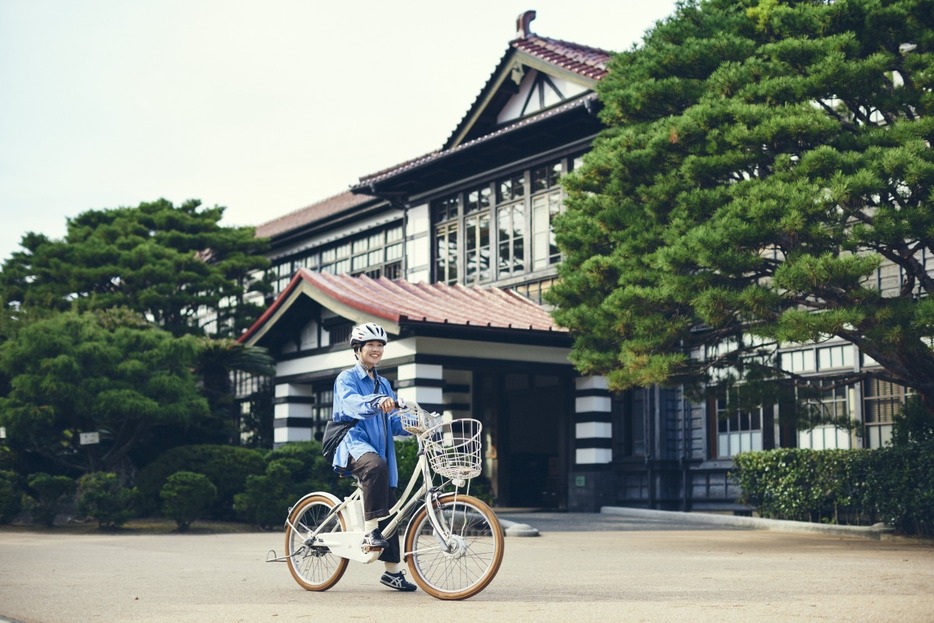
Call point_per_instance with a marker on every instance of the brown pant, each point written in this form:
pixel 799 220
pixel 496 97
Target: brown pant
pixel 372 472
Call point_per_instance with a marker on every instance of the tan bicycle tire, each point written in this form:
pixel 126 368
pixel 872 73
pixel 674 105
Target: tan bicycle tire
pixel 328 567
pixel 484 549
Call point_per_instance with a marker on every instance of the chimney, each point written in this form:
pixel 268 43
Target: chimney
pixel 522 25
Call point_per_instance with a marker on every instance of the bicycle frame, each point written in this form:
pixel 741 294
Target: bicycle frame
pixel 346 543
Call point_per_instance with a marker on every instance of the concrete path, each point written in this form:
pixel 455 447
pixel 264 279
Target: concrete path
pixel 651 568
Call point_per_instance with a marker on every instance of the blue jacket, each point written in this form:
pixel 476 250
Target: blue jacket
pixel 355 398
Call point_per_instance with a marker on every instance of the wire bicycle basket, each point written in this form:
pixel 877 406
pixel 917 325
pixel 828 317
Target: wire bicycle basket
pixel 453 448
pixel 416 420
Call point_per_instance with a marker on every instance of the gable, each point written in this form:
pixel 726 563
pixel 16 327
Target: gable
pixel 535 74
pixel 537 91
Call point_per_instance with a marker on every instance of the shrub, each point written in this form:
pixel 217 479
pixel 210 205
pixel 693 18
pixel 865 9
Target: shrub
pixel 892 484
pixel 291 471
pixel 50 494
pixel 913 423
pixel 101 497
pixel 10 496
pixel 904 489
pixel 227 467
pixel 186 496
pixel 267 497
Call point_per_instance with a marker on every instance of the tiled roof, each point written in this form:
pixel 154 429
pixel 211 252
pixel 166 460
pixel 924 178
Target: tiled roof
pixel 397 302
pixel 310 214
pixel 580 59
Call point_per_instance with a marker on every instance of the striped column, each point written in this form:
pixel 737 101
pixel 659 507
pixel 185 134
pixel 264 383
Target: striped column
pixel 292 415
pixel 422 383
pixel 593 429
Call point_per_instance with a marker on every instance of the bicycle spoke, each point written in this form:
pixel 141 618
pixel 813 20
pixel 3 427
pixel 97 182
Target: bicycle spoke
pixel 314 567
pixel 462 563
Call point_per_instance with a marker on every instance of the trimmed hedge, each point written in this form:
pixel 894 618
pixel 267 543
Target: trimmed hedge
pixel 227 467
pixel 894 485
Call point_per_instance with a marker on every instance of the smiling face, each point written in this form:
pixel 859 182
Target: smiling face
pixel 371 353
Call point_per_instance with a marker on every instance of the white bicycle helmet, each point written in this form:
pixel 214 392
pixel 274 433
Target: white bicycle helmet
pixel 369 332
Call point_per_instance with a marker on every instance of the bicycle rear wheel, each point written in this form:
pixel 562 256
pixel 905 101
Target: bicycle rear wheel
pixel 314 567
pixel 470 562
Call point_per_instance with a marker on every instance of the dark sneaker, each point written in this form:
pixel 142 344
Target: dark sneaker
pixel 374 540
pixel 396 581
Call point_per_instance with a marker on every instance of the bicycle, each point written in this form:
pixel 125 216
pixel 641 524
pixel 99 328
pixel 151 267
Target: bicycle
pixel 453 543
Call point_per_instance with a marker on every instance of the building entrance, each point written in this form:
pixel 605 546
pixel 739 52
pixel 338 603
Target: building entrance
pixel 524 415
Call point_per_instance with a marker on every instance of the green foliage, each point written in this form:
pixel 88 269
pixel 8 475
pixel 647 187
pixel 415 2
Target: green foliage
pixel 256 425
pixel 11 493
pixel 266 498
pixel 291 471
pixel 217 358
pixel 226 466
pixel 760 161
pixel 63 372
pixel 905 491
pixel 163 262
pixel 893 484
pixel 101 497
pixel 186 496
pixel 106 372
pixel 913 423
pixel 48 496
pixel 407 458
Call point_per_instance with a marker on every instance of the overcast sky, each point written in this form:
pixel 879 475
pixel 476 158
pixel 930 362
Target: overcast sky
pixel 261 106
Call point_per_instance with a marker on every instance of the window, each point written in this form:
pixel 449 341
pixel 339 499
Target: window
pixel 831 357
pixel 322 408
pixel 631 410
pixel 336 260
pixel 477 230
pixel 535 291
pixel 510 188
pixel 881 401
pixel 446 253
pixel 831 403
pixel 545 177
pixel 511 236
pixel 799 361
pixel 738 430
pixel 378 253
pixel 510 226
pixel 501 230
pixel 544 249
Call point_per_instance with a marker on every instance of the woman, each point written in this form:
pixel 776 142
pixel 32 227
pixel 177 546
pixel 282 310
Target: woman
pixel 367 451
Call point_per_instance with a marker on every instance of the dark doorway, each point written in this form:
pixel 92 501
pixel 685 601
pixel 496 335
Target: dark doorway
pixel 528 413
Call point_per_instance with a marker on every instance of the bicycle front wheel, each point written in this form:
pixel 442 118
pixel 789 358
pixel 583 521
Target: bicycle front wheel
pixel 314 567
pixel 468 562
